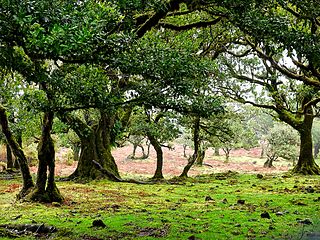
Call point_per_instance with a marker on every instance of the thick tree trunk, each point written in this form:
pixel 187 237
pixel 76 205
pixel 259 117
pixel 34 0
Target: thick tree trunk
pixel 95 145
pixel 306 164
pixel 46 189
pixel 157 147
pixel 18 153
pixel 10 161
pixel 191 160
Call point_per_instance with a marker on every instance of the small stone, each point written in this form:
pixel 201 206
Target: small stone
pixel 208 198
pixel 238 225
pixel 98 223
pixel 260 176
pixel 265 215
pixel 279 213
pixel 241 202
pixel 310 189
pixel 271 227
pixel 306 221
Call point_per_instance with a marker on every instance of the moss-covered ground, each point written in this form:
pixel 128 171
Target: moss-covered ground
pixel 220 206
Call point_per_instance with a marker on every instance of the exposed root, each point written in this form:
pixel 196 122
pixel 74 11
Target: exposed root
pixel 306 170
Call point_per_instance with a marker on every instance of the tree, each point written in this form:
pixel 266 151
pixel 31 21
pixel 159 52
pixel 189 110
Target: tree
pixel 159 127
pixel 283 141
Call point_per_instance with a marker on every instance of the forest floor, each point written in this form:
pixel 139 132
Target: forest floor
pixel 235 200
pixel 241 160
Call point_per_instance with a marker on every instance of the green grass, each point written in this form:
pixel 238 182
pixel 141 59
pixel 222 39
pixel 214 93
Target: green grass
pixel 175 210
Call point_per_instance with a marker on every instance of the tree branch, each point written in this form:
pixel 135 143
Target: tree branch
pixel 200 24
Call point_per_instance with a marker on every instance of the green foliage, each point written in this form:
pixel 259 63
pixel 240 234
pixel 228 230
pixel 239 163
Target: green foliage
pixel 283 141
pixel 161 125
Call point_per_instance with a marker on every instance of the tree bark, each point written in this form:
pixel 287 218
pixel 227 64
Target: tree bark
pixel 157 147
pixel 95 145
pixel 46 189
pixel 316 149
pixel 200 157
pixel 10 161
pixel 191 160
pixel 18 153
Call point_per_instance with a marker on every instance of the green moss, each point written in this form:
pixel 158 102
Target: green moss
pixel 176 211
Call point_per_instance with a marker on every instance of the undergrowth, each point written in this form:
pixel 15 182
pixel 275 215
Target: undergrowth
pixel 216 206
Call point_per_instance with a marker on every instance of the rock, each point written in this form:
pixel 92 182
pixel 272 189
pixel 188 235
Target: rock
pixel 271 227
pixel 279 213
pixel 265 215
pixel 241 202
pixel 208 198
pixel 306 221
pixel 310 189
pixel 238 225
pixel 98 223
pixel 260 176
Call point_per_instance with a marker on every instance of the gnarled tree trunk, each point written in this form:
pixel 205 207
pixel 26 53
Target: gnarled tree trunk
pixel 46 189
pixel 96 143
pixel 191 160
pixel 157 147
pixel 306 164
pixel 18 153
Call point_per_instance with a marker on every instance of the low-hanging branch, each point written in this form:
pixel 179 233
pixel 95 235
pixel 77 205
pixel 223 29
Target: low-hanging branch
pixel 201 24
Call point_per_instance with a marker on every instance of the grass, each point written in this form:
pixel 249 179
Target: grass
pixel 205 207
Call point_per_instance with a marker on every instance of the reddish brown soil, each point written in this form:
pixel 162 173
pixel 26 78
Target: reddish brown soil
pixel 174 163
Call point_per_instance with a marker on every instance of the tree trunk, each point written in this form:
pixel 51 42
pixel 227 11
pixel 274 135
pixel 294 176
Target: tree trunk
pixel 157 147
pixel 10 161
pixel 191 160
pixel 19 141
pixel 185 150
pixel 76 152
pixel 306 164
pixel 46 189
pixel 200 157
pixel 18 153
pixel 216 151
pixel 269 162
pixel 316 149
pixel 95 145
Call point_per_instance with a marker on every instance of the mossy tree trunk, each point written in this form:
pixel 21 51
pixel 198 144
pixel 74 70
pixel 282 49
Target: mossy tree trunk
pixel 196 142
pixel 306 164
pixel 18 153
pixel 10 161
pixel 96 143
pixel 302 122
pixel 46 189
pixel 157 147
